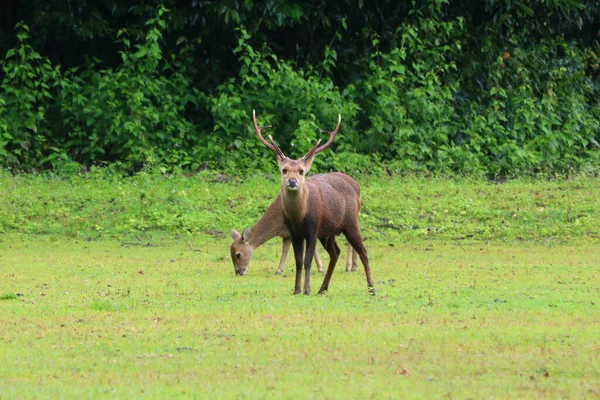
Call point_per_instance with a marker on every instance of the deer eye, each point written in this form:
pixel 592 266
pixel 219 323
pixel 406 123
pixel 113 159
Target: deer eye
pixel 301 172
pixel 238 255
pixel 284 170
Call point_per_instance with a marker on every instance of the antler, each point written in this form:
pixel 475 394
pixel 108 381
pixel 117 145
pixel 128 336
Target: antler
pixel 271 145
pixel 332 134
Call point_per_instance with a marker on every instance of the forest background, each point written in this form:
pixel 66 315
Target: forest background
pixel 491 88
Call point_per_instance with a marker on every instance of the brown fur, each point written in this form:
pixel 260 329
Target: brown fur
pixel 325 206
pixel 318 209
pixel 269 226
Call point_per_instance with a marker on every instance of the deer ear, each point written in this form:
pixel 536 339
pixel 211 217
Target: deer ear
pixel 307 164
pixel 246 234
pixel 235 235
pixel 280 162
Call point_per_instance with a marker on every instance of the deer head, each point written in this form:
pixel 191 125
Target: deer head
pixel 293 172
pixel 241 250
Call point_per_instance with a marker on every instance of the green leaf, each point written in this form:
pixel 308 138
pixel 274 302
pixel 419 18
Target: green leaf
pixel 31 125
pixel 400 69
pixel 141 52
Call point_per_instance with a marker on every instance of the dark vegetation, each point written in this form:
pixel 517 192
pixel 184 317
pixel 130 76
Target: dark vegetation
pixel 495 88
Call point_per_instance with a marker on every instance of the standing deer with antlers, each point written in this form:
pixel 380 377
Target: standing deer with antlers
pixel 270 225
pixel 319 208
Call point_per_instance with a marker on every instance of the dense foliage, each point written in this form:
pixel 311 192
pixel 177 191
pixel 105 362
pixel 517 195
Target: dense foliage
pixel 500 88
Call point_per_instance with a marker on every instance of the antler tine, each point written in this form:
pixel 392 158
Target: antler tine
pixel 260 137
pixel 316 149
pixel 277 149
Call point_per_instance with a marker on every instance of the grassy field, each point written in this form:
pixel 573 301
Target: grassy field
pixel 472 303
pixel 394 210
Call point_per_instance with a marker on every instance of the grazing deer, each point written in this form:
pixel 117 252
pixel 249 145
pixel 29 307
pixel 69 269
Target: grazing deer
pixel 317 208
pixel 271 225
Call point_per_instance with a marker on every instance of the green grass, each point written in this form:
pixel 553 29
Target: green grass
pixel 402 209
pixel 480 320
pixel 8 296
pixel 124 288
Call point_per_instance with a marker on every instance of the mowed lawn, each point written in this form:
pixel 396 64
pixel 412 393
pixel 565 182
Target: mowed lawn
pixel 165 316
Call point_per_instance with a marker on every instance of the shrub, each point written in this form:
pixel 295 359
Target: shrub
pixel 28 92
pixel 134 115
pixel 295 102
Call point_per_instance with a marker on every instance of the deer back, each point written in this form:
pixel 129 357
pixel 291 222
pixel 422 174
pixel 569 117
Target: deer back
pixel 333 202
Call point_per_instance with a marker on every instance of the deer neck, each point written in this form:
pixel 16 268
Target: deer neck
pixel 295 204
pixel 268 226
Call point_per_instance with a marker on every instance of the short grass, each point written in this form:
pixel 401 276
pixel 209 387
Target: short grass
pixel 394 209
pixel 124 288
pixel 165 316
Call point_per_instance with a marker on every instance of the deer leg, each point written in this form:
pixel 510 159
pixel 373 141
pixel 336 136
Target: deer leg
pixel 334 252
pixel 311 244
pixel 298 245
pixel 354 259
pixel 354 238
pixel 287 242
pixel 318 261
pixel 349 258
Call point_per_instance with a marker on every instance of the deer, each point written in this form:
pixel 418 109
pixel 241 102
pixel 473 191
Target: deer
pixel 318 208
pixel 269 226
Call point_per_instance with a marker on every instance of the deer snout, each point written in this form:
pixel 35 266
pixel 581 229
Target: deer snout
pixel 292 183
pixel 240 272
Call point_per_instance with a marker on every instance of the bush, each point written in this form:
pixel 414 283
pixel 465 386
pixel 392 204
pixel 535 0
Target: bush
pixel 133 115
pixel 408 97
pixel 28 92
pixel 296 103
pixel 536 117
pixel 499 88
